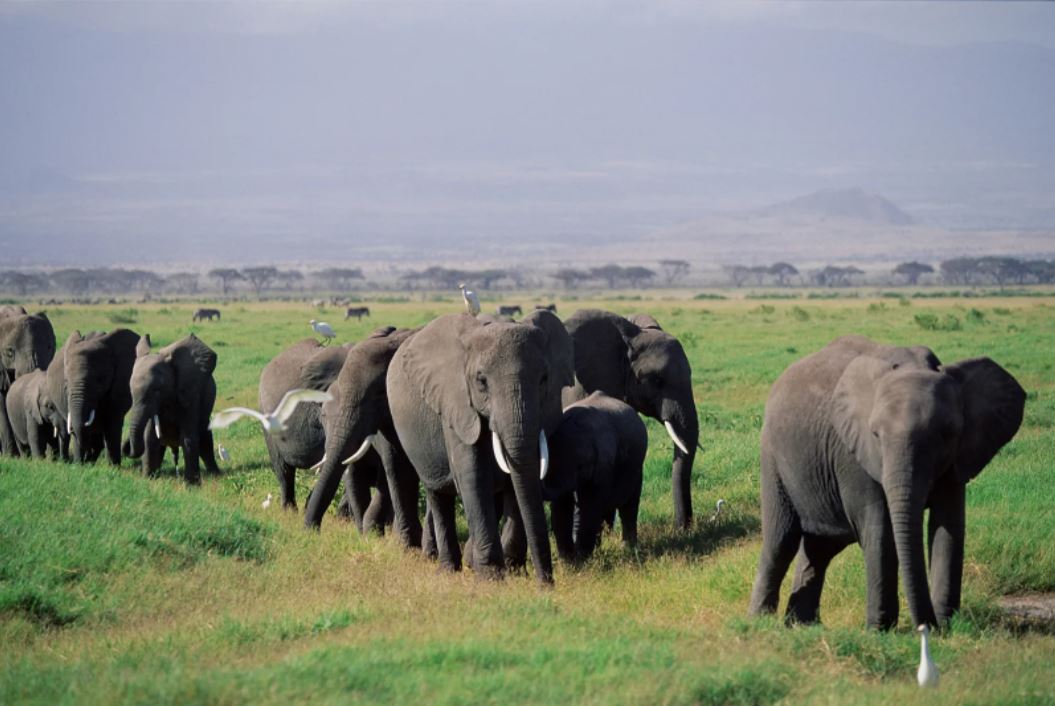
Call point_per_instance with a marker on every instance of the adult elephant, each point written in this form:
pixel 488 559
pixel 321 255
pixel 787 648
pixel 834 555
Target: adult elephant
pixel 305 365
pixel 173 392
pixel 28 409
pixel 358 426
pixel 647 368
pixel 58 394
pixel 98 395
pixel 469 398
pixel 27 343
pixel 858 440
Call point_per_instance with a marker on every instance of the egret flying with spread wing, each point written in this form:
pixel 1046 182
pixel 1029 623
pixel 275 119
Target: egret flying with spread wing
pixel 323 329
pixel 472 303
pixel 275 422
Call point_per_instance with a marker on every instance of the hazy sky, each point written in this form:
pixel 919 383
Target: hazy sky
pixel 352 126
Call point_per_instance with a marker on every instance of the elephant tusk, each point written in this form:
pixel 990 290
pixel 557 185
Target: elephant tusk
pixel 91 418
pixel 55 432
pixel 69 422
pixel 361 452
pixel 500 454
pixel 318 465
pixel 677 442
pixel 543 453
pixel 157 426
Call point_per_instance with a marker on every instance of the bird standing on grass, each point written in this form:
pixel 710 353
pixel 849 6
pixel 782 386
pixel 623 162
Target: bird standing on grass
pixel 323 329
pixel 267 502
pixel 927 674
pixel 717 509
pixel 275 422
pixel 472 303
pixel 225 455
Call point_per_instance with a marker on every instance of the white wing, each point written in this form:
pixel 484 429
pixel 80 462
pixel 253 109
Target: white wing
pixel 291 399
pixel 325 329
pixel 474 302
pixel 229 416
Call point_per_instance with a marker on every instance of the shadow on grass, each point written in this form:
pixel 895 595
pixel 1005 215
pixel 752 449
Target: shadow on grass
pixel 702 539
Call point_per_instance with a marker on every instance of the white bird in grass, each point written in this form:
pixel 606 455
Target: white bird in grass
pixel 323 329
pixel 225 455
pixel 927 674
pixel 717 509
pixel 267 502
pixel 274 423
pixel 472 303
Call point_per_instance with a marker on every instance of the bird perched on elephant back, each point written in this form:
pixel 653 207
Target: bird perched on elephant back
pixel 858 440
pixel 470 400
pixel 27 343
pixel 647 368
pixel 29 410
pixel 307 365
pixel 98 395
pixel 359 431
pixel 173 393
pixel 596 457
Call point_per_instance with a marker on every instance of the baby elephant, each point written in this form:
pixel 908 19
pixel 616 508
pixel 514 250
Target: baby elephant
pixel 32 415
pixel 596 456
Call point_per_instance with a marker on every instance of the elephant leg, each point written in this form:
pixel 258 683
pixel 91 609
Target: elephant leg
pixel 403 488
pixel 881 569
pixel 428 533
pixel 7 436
pixel 359 497
pixel 474 481
pixel 153 453
pixel 191 452
pixel 207 452
pixel 344 508
pixel 562 516
pixel 514 539
pixel 628 518
pixel 380 508
pixel 441 507
pixel 36 441
pixel 946 529
pixel 285 474
pixel 815 554
pixel 64 446
pixel 781 533
pixel 591 519
pixel 112 439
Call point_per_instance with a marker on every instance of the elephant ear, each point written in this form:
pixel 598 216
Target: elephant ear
pixel 193 363
pixel 852 404
pixel 320 371
pixel 993 405
pixel 560 355
pixel 645 321
pixel 435 360
pixel 143 347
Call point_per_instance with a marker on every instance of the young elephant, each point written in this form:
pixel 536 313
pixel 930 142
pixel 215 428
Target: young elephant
pixel 30 410
pixel 596 457
pixel 27 343
pixel 859 439
pixel 173 392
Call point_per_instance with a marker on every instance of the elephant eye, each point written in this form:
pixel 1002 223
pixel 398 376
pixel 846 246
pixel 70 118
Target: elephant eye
pixel 481 382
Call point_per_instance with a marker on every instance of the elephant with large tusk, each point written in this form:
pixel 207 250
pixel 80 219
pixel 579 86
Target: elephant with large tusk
pixel 472 402
pixel 636 361
pixel 859 439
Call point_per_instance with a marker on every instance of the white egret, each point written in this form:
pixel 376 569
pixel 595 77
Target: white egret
pixel 323 329
pixel 472 303
pixel 275 422
pixel 927 674
pixel 267 502
pixel 225 455
pixel 717 509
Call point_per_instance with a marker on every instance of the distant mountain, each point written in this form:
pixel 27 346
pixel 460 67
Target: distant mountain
pixel 853 204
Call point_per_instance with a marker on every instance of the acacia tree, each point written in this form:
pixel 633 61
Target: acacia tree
pixel 184 282
pixel 637 275
pixel 738 274
pixel 782 270
pixel 959 270
pixel 340 277
pixel 759 272
pixel 71 279
pixel 260 277
pixel 912 271
pixel 226 277
pixel 673 269
pixel 21 282
pixel 609 273
pixel 570 278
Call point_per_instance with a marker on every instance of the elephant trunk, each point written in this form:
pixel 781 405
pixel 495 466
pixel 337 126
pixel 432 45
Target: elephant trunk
pixel 906 516
pixel 680 421
pixel 346 443
pixel 141 423
pixel 76 421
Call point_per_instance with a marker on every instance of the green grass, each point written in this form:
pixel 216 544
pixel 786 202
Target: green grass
pixel 119 589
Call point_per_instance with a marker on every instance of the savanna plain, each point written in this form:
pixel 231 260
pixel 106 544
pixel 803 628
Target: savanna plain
pixel 115 588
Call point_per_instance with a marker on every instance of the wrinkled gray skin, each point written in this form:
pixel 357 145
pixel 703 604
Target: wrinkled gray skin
pixel 175 385
pixel 98 371
pixel 359 411
pixel 450 387
pixel 596 459
pixel 647 368
pixel 859 439
pixel 305 365
pixel 59 397
pixel 27 343
pixel 29 410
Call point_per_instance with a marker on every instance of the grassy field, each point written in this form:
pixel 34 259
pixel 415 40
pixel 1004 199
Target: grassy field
pixel 119 589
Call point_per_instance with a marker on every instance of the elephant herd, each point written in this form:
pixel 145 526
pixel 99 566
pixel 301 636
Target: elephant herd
pixel 859 439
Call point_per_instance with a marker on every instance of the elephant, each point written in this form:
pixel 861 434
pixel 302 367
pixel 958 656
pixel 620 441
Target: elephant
pixel 469 400
pixel 12 310
pixel 306 364
pixel 358 425
pixel 27 343
pixel 857 440
pixel 98 395
pixel 173 393
pixel 596 459
pixel 29 409
pixel 647 368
